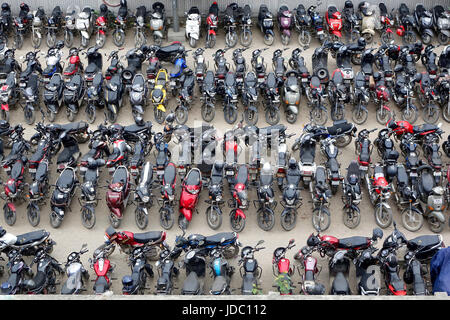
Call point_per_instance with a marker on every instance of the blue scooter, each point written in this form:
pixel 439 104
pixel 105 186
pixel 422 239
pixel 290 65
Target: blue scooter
pixel 177 71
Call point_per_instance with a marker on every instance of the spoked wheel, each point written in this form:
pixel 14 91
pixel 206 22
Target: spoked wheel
pixel 9 214
pixel 272 116
pixel 321 219
pixel 166 218
pixel 426 39
pixel 33 214
pixel 90 113
pixel 266 219
pixel 387 37
pixel 359 115
pixel 446 112
pixel 246 38
pixel 139 39
pixel 68 39
pixel 351 218
pixel 251 117
pixel 214 218
pixel 337 114
pixel 181 115
pixel 383 115
pixel 304 38
pixel 319 116
pixel 88 216
pixel 18 41
pixel 409 37
pixel 289 219
pixel 383 216
pixel 410 114
pixel 430 114
pixel 36 40
pixel 230 115
pixel 118 37
pixel 343 141
pixel 412 219
pixel 231 39
pixel 237 223
pixel 157 40
pixel 55 220
pixel 291 117
pixel 231 251
pixel 208 112
pixel 141 217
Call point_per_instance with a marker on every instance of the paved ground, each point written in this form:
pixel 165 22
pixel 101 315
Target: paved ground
pixel 72 234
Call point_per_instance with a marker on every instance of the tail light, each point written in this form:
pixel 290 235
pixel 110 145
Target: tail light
pixel 221 76
pixel 151 76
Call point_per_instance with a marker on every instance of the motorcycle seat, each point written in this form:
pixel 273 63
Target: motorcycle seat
pixel 321 175
pixel 169 174
pixel 161 159
pixel 266 179
pixel 315 82
pixel 291 81
pixel 189 82
pixel 98 78
pixel 247 283
pixel 55 83
pixel 66 179
pixel 73 126
pixel 216 239
pixel 242 174
pixel 367 68
pixel 424 241
pixel 337 77
pixel 91 175
pixel 41 171
pixel 16 171
pixel 403 10
pixel 340 285
pixel 424 128
pixel 333 165
pixel 352 242
pixel 138 83
pixel 339 127
pixel 293 177
pixel 219 284
pixel 191 285
pixel 402 176
pixel 146 237
pixel 171 48
pixel 38 280
pixel 101 285
pixel 209 78
pixel 193 178
pixel 230 79
pixel 76 81
pixel 91 68
pixel 267 131
pixel 383 9
pixel 30 237
pixel 427 182
pixel 120 176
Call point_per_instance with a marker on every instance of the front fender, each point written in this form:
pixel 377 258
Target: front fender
pixel 438 215
pixel 238 213
pixel 138 108
pixel 372 32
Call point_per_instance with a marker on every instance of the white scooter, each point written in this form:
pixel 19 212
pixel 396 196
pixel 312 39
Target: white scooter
pixel 157 19
pixel 36 26
pixel 85 24
pixel 193 22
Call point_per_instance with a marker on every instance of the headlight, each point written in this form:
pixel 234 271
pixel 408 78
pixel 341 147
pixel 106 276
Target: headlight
pixel 290 201
pixel 145 198
pixel 171 197
pixel 136 95
pixel 249 21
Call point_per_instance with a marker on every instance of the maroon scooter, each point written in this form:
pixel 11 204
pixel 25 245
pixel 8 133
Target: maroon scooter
pixel 311 271
pixel 118 194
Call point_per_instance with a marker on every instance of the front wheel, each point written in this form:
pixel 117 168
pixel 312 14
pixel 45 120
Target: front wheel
pixel 68 38
pixel 100 40
pixel 30 116
pixel 71 115
pixel 208 112
pixel 409 37
pixel 192 42
pixel 118 37
pixel 343 141
pixel 237 222
pixel 111 114
pixel 246 38
pixel 383 216
pixel 231 39
pixel 36 40
pixel 213 217
pixel 33 214
pixel 289 219
pixel 383 115
pixel 90 113
pixel 446 112
pixel 321 219
pixel 88 217
pixel 359 115
pixel 141 218
pixel 285 39
pixel 55 220
pixel 115 222
pixel 251 117
pixel 410 114
pixel 319 116
pixel 5 115
pixel 387 37
pixel 426 39
pixel 430 114
pixel 368 37
pixel 435 225
pixel 84 42
pixel 230 115
pixel 9 214
pixel 18 41
pixel 268 39
pixel 304 38
pixel 351 218
pixel 266 219
pixel 337 113
pixel 211 42
pixel 51 116
pixel 442 39
pixel 272 116
pixel 181 115
pixel 291 117
pixel 159 115
pixel 166 218
pixel 139 39
pixel 412 219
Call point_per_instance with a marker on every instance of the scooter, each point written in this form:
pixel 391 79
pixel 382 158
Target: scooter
pixel 265 23
pixel 285 24
pixel 73 94
pixel 62 195
pixel 85 24
pixel 334 22
pixel 140 268
pixel 292 96
pixel 193 23
pixel 157 22
pixel 441 20
pixel 118 194
pixel 190 193
pixel 424 23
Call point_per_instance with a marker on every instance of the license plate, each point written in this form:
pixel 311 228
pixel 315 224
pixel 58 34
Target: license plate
pixel 388 78
pixel 229 173
pixel 304 80
pixel 334 183
pixel 23 84
pixel 32 170
pixel 432 76
pixel 160 172
pixel 414 174
pixel 260 79
pixel 320 32
pixel 438 173
pixel 172 83
pixel 438 201
pixel 134 170
pixel 364 168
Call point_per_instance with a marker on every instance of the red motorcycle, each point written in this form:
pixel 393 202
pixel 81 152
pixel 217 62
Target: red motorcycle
pixel 310 273
pixel 190 192
pixel 75 66
pixel 381 96
pixel 282 270
pixel 102 267
pixel 334 23
pixel 118 194
pixel 127 240
pixel 379 193
pixel 420 131
pixel 14 190
pixel 100 23
pixel 212 22
pixel 240 199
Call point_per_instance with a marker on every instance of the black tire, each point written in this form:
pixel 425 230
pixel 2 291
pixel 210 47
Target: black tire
pixel 71 115
pixel 442 38
pixel 30 116
pixel 246 38
pixel 231 39
pixel 412 220
pixel 266 219
pixel 68 39
pixel 55 220
pixel 231 251
pixel 5 115
pixel 410 115
pixel 51 116
pixel 383 116
pixel 435 225
pixel 139 39
pixel 90 114
pixel 430 114
pixel 409 37
pixel 18 41
pixel 213 218
pixel 334 189
pixel 84 42
pixel 337 114
pixel 343 141
pixel 291 117
pixel 208 112
pixel 88 217
pixel 159 115
pixel 383 216
pixel 33 214
pixel 272 118
pixel 251 117
pixel 166 218
pixel 285 39
pixel 289 219
pixel 426 39
pixel 157 40
pixel 141 218
pixel 319 116
pixel 351 218
pixel 193 42
pixel 9 215
pixel 111 114
pixel 446 112
pixel 386 37
pixel 359 115
pixel 356 59
pixel 115 222
pixel 100 40
pixel 268 39
pixel 107 253
pixel 237 224
pixel 230 115
pixel 321 219
pixel 36 41
pixel 304 38
pixel 118 37
pixel 368 37
pixel 183 223
pixel 181 115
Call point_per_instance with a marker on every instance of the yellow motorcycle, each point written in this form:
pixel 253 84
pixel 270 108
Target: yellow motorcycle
pixel 159 95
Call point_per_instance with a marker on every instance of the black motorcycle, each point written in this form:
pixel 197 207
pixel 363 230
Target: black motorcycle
pixel 250 271
pixel 140 268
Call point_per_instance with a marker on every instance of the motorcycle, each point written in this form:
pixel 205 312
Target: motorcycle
pixel 113 97
pixel 250 271
pixel 103 268
pixel 158 95
pixel 311 271
pixel 334 22
pixel 387 21
pixel 77 275
pixel 431 152
pixel 120 24
pixel 303 24
pixel 306 143
pixel 212 22
pixel 361 99
pixel 167 270
pixel 369 21
pixel 352 195
pixel 285 23
pixel 282 269
pixel 139 24
pixel 406 23
pixel 250 98
pixel 321 195
pixel 351 21
pixel 193 23
pixel 214 212
pixel 118 194
pixel 75 65
pixel 230 99
pixel 230 22
pixel 317 22
pixel 291 195
pixel 266 203
pixel 329 149
pixel 23 24
pixel 239 201
pixel 185 97
pixel 245 21
pixel 101 25
pixel 31 94
pixel 265 23
pixel 441 20
pixel 157 22
pixel 140 268
pixel 292 95
pixel 37 26
pixel 166 202
pixel 73 94
pixel 379 192
pixel 195 264
pixel 62 195
pixel 143 196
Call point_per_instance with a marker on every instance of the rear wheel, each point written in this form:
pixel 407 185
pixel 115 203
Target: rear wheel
pixel 192 42
pixel 321 219
pixel 88 217
pixel 446 112
pixel 71 115
pixel 115 222
pixel 51 116
pixel 139 39
pixel 166 218
pixel 181 115
pixel 442 38
pixel 33 214
pixel 435 225
pixel 9 214
pixel 291 117
pixel 111 114
pixel 412 220
pixel 426 39
pixel 343 141
pixel 272 116
pixel 368 37
pixel 409 37
pixel 285 39
pixel 214 218
pixel 55 220
pixel 337 113
pixel 231 251
pixel 84 42
pixel 18 41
